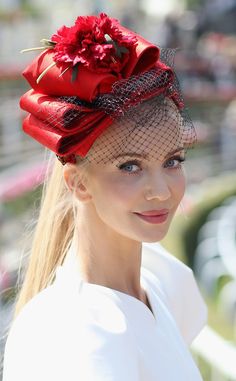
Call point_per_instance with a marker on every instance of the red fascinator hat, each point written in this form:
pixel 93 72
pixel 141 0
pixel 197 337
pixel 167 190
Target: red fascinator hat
pixel 80 83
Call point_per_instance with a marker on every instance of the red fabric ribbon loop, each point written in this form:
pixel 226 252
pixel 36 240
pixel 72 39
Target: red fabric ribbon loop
pixel 62 127
pixel 60 141
pixel 88 84
pixel 67 117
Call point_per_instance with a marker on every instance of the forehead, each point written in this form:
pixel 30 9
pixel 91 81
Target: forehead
pixel 151 130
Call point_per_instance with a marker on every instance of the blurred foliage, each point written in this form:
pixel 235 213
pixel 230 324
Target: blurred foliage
pixel 12 82
pixel 193 4
pixel 217 319
pixel 25 7
pixel 205 368
pixel 181 239
pixel 26 201
pixel 216 192
pixel 8 295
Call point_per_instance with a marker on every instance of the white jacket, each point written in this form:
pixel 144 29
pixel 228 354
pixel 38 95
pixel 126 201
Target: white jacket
pixel 77 331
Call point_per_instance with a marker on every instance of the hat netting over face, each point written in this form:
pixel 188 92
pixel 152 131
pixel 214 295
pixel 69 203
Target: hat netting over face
pixel 153 129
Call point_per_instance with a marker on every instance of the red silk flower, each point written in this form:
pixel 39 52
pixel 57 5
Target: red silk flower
pixel 98 63
pixel 95 42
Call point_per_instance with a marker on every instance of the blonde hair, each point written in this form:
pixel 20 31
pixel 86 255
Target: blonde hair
pixel 52 237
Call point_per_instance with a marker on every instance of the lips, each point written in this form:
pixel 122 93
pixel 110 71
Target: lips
pixel 159 212
pixel 154 216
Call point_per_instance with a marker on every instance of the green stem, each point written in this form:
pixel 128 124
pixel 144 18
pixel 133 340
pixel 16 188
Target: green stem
pixel 32 49
pixel 45 71
pixel 64 71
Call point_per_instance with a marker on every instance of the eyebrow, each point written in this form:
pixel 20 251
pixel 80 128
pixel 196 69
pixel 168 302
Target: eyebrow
pixel 145 155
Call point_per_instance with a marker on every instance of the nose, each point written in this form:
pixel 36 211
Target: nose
pixel 157 187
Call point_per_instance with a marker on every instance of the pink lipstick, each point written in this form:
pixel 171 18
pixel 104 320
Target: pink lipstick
pixel 154 216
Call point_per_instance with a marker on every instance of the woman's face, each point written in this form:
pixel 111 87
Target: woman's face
pixel 147 176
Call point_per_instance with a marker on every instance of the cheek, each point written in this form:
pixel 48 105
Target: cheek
pixel 115 193
pixel 178 185
pixel 122 193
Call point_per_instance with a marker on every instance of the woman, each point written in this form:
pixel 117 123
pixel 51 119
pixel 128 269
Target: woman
pixel 101 300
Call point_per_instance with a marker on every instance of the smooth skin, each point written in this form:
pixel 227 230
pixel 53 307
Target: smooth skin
pixel 109 192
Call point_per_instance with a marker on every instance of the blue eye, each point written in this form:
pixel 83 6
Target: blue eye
pixel 130 167
pixel 174 162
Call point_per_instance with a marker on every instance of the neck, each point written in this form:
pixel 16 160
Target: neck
pixel 107 258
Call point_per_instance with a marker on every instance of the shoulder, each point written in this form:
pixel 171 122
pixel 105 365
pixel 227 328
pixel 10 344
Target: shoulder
pixel 62 336
pixel 28 336
pixel 177 285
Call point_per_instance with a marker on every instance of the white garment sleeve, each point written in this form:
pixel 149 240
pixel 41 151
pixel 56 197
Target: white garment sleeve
pixel 27 345
pixel 47 343
pixel 180 290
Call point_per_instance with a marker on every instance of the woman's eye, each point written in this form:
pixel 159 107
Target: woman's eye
pixel 130 167
pixel 174 162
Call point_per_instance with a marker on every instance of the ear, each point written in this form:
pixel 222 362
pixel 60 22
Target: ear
pixel 76 182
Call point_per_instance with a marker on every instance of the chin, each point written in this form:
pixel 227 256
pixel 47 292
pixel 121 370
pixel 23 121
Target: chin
pixel 151 238
pixel 154 239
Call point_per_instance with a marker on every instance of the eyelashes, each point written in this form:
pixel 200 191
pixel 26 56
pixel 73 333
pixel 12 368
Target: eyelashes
pixel 125 166
pixel 179 159
pixel 128 167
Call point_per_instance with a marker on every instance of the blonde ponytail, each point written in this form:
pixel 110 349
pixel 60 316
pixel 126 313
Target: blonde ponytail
pixel 53 234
